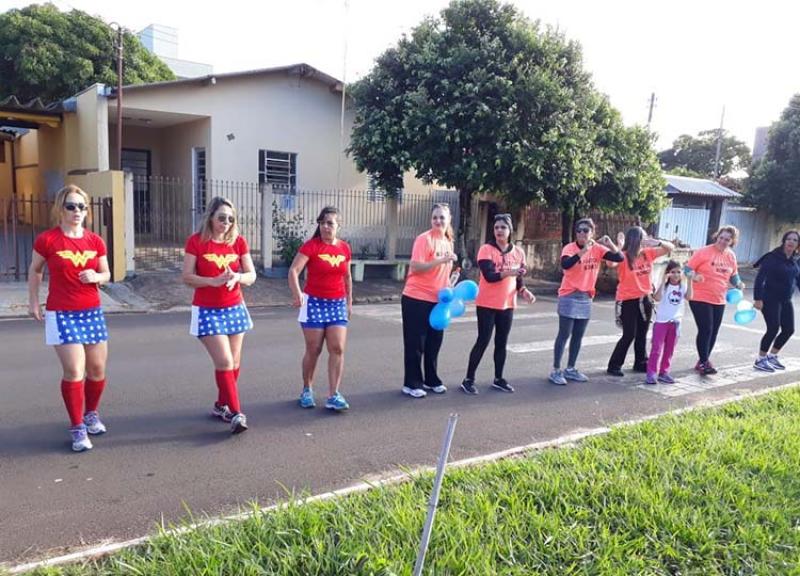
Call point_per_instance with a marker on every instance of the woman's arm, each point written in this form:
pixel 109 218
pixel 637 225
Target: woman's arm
pixel 191 279
pixel 299 262
pixel 248 277
pixel 348 286
pixel 100 276
pixel 35 273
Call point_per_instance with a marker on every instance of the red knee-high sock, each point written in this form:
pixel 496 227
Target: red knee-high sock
pixel 226 382
pixel 94 389
pixel 72 393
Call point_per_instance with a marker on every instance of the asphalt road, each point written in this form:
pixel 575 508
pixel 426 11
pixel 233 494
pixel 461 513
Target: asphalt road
pixel 164 453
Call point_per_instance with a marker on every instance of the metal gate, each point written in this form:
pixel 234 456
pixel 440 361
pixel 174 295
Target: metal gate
pixel 22 219
pixel 753 232
pixel 690 225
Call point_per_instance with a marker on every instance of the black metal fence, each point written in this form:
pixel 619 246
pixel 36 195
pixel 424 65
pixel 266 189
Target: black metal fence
pixel 23 218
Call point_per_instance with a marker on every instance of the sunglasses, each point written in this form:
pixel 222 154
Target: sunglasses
pixel 501 216
pixel 583 230
pixel 225 219
pixel 75 206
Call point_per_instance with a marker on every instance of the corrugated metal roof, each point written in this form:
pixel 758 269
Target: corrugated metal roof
pixel 697 187
pixel 35 106
pixel 303 70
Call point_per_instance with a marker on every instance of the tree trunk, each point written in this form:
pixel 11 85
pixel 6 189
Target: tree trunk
pixel 567 217
pixel 465 214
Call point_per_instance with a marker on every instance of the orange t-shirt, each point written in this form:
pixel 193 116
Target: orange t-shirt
pixel 633 284
pixel 429 246
pixel 500 295
pixel 583 275
pixel 716 268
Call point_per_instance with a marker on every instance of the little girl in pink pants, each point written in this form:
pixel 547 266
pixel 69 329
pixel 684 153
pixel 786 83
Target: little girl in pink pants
pixel 670 296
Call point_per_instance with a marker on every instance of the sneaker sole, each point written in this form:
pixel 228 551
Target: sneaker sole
pixel 96 432
pixel 82 448
pixel 432 391
pixel 576 379
pixel 337 408
pixel 239 429
pixel 556 382
pixel 762 369
pixel 410 395
pixel 503 389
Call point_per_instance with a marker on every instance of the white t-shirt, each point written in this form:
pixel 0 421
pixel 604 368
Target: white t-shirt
pixel 670 308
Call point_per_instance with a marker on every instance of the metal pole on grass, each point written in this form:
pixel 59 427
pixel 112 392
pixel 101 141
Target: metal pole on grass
pixel 437 486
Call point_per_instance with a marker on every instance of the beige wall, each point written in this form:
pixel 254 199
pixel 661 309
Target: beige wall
pixel 269 112
pixel 5 172
pixel 109 183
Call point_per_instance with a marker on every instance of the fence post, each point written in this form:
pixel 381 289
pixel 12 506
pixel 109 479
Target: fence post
pixel 130 246
pixel 266 227
pixel 391 227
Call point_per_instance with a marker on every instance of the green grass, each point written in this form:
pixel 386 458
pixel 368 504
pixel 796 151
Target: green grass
pixel 711 492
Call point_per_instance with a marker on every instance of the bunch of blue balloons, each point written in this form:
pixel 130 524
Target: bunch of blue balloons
pixel 452 303
pixel 745 313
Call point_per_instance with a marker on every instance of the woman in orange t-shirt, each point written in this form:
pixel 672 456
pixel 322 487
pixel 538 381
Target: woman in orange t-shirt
pixel 633 297
pixel 713 269
pixel 432 260
pixel 502 268
pixel 580 261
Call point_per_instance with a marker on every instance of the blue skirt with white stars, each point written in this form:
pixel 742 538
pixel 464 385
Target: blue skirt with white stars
pixel 319 313
pixel 207 321
pixel 75 327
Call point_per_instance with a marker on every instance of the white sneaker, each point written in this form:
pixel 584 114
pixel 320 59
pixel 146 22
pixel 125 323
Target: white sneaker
pixel 238 423
pixel 557 378
pixel 93 423
pixel 762 363
pixel 414 392
pixel 440 389
pixel 80 438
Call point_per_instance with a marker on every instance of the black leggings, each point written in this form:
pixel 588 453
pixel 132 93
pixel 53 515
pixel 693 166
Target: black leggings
pixel 491 320
pixel 708 318
pixel 419 341
pixel 777 315
pixel 571 329
pixel 635 324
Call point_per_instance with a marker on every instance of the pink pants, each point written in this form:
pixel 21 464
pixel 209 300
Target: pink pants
pixel 665 336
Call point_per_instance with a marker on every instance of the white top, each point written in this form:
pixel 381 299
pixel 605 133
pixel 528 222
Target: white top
pixel 670 308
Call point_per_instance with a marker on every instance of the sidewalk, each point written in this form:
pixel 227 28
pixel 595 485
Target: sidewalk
pixel 162 291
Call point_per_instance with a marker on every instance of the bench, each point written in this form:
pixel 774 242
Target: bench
pixel 398 269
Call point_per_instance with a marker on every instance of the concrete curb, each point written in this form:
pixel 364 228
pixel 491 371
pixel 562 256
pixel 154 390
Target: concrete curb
pixel 388 480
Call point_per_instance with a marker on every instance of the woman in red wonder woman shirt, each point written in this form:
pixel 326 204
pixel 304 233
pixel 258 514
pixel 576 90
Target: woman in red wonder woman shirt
pixel 74 322
pixel 216 263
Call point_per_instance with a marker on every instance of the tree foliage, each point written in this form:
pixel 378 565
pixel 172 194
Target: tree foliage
pixel 482 99
pixel 697 154
pixel 52 55
pixel 775 184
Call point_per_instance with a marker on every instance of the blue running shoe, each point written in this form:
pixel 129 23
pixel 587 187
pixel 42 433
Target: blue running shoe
pixel 307 398
pixel 336 402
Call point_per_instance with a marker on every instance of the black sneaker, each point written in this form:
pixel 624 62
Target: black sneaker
pixel 468 386
pixel 615 372
pixel 708 369
pixel 501 384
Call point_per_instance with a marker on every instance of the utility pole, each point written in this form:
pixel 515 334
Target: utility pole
pixel 719 144
pixel 652 105
pixel 119 53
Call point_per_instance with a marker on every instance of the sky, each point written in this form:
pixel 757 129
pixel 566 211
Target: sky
pixel 696 56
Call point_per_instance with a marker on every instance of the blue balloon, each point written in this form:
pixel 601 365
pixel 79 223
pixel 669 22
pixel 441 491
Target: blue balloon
pixel 440 316
pixel 445 294
pixel 466 290
pixel 745 316
pixel 733 295
pixel 457 307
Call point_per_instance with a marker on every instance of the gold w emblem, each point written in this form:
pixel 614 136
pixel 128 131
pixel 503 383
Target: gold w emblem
pixel 78 259
pixel 334 261
pixel 221 260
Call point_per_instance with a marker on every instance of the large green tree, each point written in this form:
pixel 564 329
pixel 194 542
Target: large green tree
pixel 482 99
pixel 49 54
pixel 775 184
pixel 697 154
